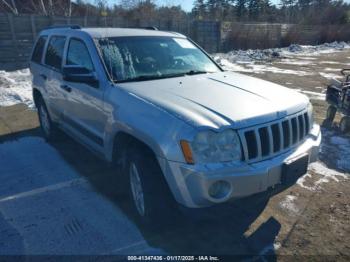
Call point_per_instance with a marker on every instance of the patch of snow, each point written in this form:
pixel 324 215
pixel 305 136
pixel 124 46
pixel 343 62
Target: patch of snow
pixel 246 56
pixel 226 64
pixel 301 182
pixel 326 174
pixel 329 62
pixel 257 69
pixel 16 87
pixel 296 62
pixel 288 204
pixel 338 147
pixel 329 75
pixel 309 58
pixel 314 95
pixel 332 69
pixel 264 68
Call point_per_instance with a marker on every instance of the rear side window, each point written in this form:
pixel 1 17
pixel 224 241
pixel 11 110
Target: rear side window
pixel 38 49
pixel 54 52
pixel 78 54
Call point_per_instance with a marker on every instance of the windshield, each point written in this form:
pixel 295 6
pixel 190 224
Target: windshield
pixel 145 58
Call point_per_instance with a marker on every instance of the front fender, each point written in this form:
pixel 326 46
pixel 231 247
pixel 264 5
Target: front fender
pixel 149 123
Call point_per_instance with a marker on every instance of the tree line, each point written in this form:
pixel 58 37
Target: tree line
pixel 287 11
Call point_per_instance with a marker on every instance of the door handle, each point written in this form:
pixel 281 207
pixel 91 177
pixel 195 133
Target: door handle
pixel 43 76
pixel 66 88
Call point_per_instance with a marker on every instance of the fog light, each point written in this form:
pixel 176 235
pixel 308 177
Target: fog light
pixel 219 189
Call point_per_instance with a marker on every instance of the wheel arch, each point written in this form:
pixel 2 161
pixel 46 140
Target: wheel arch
pixel 37 96
pixel 123 141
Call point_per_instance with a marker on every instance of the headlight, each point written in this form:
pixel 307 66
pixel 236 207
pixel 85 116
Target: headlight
pixel 310 113
pixel 212 147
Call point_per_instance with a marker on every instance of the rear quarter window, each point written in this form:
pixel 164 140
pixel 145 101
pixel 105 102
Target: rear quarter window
pixel 39 49
pixel 54 52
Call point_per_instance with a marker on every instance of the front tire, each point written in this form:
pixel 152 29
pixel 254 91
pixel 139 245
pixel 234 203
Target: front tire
pixel 148 191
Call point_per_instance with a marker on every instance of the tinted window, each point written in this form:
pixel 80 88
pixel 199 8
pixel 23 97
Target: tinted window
pixel 79 55
pixel 54 51
pixel 38 50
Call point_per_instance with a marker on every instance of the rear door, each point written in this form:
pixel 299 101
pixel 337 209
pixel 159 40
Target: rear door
pixel 36 64
pixel 53 75
pixel 84 107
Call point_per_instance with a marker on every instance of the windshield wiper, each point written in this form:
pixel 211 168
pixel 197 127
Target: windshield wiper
pixel 149 77
pixel 195 72
pixel 155 77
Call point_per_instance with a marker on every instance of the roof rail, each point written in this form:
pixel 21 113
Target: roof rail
pixel 64 26
pixel 150 28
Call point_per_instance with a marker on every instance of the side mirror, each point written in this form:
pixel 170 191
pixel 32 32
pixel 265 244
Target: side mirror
pixel 79 74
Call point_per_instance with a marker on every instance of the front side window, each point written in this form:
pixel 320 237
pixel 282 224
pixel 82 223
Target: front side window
pixel 144 58
pixel 79 55
pixel 54 51
pixel 38 49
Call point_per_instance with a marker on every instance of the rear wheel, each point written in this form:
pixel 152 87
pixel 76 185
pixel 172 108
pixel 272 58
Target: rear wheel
pixel 345 124
pixel 148 191
pixel 48 128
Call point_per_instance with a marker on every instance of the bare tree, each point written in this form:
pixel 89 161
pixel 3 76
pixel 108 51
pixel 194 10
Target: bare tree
pixel 11 6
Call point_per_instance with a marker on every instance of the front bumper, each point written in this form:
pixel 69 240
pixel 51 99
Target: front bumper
pixel 190 184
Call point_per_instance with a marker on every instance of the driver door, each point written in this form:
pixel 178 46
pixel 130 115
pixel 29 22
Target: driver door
pixel 84 114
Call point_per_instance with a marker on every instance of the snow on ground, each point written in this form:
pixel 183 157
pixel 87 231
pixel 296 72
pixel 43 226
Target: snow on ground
pixel 247 56
pixel 16 87
pixel 289 204
pixel 326 173
pixel 258 68
pixel 330 75
pixel 313 95
pixel 297 55
pixel 296 62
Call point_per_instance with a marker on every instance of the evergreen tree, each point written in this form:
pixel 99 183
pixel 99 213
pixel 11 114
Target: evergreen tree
pixel 241 9
pixel 199 9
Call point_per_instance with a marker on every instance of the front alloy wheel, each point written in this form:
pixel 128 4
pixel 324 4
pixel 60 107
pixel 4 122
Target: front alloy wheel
pixel 136 189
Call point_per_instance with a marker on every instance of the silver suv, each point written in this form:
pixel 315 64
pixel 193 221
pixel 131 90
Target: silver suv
pixel 180 127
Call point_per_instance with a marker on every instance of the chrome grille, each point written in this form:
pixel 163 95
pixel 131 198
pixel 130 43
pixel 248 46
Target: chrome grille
pixel 267 140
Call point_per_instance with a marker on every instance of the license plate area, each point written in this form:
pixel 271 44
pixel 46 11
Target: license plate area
pixel 294 169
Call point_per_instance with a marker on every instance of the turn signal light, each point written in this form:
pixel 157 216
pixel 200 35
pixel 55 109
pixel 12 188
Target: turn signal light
pixel 186 150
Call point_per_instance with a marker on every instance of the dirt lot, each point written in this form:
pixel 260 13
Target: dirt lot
pixel 64 200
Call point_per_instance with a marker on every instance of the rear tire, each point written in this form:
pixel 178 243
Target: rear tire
pixel 344 125
pixel 149 193
pixel 48 128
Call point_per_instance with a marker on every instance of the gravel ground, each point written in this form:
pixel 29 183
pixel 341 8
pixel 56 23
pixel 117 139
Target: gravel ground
pixel 60 199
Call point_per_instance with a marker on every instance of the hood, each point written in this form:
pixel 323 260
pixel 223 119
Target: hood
pixel 220 99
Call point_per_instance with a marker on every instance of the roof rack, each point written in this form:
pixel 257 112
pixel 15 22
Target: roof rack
pixel 150 28
pixel 64 26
